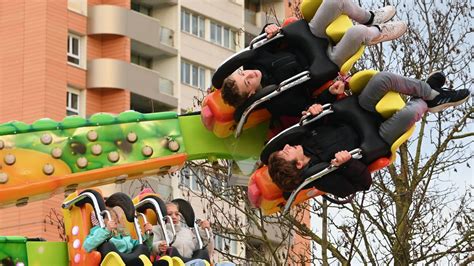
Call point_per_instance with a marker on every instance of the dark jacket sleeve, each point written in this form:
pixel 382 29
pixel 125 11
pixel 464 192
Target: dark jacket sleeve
pixel 326 97
pixel 351 177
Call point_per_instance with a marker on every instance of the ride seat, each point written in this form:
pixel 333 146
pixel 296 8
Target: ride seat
pixel 77 209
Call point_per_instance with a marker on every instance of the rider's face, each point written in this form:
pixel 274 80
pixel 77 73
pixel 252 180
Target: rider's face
pixel 292 153
pixel 247 81
pixel 173 211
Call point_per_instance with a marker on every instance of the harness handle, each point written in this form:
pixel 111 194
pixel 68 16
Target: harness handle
pixel 327 109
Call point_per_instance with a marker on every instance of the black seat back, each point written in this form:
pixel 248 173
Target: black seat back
pixel 347 111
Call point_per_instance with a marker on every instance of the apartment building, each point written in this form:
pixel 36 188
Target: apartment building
pixel 80 57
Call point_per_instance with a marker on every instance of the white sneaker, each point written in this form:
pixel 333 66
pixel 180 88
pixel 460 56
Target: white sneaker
pixel 383 14
pixel 389 31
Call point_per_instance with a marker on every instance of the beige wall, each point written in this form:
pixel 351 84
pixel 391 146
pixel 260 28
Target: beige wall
pixel 203 52
pixel 223 11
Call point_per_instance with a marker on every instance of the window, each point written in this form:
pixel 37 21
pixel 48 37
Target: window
pixel 225 244
pixel 74 49
pixel 192 23
pixel 189 178
pixel 193 75
pixel 73 102
pixel 223 36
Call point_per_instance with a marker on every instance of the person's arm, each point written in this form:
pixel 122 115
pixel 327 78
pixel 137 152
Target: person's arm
pixel 357 173
pixel 330 95
pixel 148 238
pixel 159 245
pixel 96 237
pixel 350 177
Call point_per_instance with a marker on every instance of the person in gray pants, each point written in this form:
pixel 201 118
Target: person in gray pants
pixel 426 96
pixel 373 29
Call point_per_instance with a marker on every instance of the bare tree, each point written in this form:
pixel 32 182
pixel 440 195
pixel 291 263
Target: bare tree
pixel 413 212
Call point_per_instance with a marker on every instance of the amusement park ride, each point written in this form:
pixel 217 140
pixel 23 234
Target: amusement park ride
pixel 70 156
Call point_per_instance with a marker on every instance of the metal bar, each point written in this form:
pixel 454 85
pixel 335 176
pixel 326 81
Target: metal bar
pixel 196 229
pixel 160 219
pixel 288 83
pixel 138 230
pixel 327 109
pixel 172 228
pixel 261 40
pixel 356 154
pixel 95 205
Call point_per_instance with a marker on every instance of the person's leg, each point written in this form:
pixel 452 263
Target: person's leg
pixel 401 121
pixel 201 254
pixel 330 10
pixel 383 82
pixel 351 42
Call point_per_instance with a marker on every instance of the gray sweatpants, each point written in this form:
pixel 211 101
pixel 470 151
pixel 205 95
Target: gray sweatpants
pixel 353 38
pixel 402 120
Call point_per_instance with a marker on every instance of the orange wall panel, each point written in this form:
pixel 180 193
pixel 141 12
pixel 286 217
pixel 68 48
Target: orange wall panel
pixel 122 3
pixel 115 101
pixel 94 47
pixel 76 22
pixel 117 47
pixel 94 102
pixel 76 76
pixel 34 75
pixel 33 220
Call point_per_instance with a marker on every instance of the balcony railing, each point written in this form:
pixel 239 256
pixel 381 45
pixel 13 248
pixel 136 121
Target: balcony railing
pixel 166 86
pixel 167 36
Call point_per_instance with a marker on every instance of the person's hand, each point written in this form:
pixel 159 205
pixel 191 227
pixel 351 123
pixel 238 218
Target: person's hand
pixel 148 227
pixel 337 88
pixel 341 158
pixel 111 226
pixel 162 246
pixel 271 30
pixel 205 224
pixel 314 109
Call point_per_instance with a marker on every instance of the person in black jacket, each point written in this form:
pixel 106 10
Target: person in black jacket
pixel 329 141
pixel 324 143
pixel 272 67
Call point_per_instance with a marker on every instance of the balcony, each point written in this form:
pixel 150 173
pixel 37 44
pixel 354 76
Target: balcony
pixel 144 31
pixel 254 21
pixel 166 86
pixel 167 36
pixel 118 74
pixel 250 17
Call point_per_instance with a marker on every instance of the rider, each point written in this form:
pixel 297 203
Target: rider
pixel 277 66
pixel 185 244
pixel 114 232
pixel 330 139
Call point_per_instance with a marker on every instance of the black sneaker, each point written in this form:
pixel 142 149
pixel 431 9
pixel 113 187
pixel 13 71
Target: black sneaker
pixel 436 80
pixel 447 98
